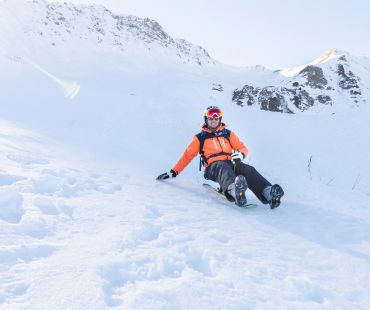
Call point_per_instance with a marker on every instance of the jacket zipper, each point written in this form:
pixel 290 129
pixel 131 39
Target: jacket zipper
pixel 220 144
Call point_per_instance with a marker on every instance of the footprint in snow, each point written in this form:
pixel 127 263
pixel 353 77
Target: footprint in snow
pixel 147 232
pixel 152 212
pixel 7 179
pixel 64 208
pixel 13 290
pixel 26 254
pixel 46 184
pixel 132 272
pixel 304 289
pixel 46 206
pixel 11 209
pixel 37 229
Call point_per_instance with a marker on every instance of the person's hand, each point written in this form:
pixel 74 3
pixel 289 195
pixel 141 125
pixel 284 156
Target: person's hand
pixel 236 157
pixel 167 175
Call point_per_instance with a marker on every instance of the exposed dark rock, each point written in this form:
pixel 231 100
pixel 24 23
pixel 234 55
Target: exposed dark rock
pixel 315 85
pixel 276 99
pixel 246 96
pixel 272 99
pixel 348 81
pixel 217 87
pixel 324 99
pixel 355 92
pixel 315 77
pixel 302 100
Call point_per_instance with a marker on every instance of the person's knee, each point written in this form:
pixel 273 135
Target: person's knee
pixel 227 175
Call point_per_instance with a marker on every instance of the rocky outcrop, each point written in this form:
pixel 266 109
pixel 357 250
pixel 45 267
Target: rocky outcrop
pixel 347 80
pixel 246 96
pixel 272 98
pixel 314 77
pixel 217 87
pixel 313 85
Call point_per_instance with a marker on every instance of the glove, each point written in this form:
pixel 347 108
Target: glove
pixel 236 157
pixel 167 175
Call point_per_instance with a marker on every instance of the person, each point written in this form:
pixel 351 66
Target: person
pixel 222 154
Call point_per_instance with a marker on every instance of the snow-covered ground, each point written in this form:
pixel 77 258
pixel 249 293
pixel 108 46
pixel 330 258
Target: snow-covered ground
pixel 85 225
pixel 75 235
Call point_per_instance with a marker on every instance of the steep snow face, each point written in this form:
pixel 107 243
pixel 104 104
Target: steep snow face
pixel 334 77
pixel 67 29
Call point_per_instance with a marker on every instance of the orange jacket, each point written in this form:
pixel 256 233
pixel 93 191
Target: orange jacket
pixel 211 146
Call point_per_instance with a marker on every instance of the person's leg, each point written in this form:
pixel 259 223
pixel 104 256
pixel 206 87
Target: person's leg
pixel 256 182
pixel 221 172
pixel 233 187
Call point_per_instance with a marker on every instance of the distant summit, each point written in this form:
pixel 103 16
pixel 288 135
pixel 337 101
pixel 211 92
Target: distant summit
pixel 336 76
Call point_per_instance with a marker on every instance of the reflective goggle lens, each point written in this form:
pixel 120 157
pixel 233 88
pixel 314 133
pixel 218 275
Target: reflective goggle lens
pixel 213 114
pixel 215 117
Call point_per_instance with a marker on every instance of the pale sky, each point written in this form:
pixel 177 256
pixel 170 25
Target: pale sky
pixel 273 33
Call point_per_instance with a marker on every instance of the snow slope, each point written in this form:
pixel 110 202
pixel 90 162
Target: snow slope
pixel 74 237
pixel 84 225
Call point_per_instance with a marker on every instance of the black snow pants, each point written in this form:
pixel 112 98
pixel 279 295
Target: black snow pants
pixel 224 173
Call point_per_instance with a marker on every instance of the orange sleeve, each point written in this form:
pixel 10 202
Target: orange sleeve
pixel 191 151
pixel 236 144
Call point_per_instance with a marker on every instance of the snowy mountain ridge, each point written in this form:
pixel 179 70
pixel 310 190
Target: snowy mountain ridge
pixel 79 35
pixel 334 77
pixel 64 28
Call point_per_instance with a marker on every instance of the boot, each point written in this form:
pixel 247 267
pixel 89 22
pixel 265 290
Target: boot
pixel 273 194
pixel 241 187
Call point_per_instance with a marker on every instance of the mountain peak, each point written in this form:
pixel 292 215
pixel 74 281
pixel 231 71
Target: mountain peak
pixel 324 58
pixel 327 56
pixel 336 76
pixel 55 28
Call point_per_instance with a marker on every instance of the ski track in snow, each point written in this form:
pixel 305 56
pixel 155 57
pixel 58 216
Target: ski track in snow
pixel 76 239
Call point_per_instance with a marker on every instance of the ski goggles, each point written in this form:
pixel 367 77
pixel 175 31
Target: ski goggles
pixel 213 114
